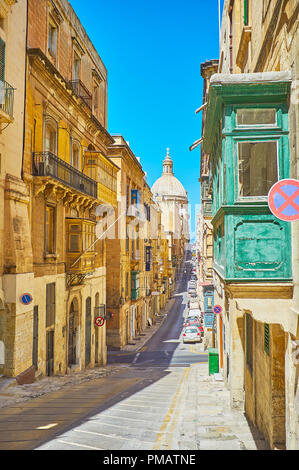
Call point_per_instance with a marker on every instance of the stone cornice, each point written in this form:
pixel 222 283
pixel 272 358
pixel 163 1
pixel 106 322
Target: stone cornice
pixel 267 290
pixel 258 88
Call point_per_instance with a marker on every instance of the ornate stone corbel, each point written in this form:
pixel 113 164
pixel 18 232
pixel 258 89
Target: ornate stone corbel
pixel 39 187
pixel 60 193
pixel 67 198
pixel 49 190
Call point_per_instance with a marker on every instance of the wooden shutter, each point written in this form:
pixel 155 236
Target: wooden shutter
pixel 267 338
pixel 2 59
pixel 50 304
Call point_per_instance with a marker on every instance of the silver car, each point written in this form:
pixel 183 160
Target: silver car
pixel 191 334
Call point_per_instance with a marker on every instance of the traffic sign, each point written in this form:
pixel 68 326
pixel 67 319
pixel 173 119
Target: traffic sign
pixel 26 299
pixel 99 321
pixel 217 309
pixel 283 200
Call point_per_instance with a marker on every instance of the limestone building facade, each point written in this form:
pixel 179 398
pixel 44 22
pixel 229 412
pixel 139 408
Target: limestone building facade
pixel 251 117
pixel 16 273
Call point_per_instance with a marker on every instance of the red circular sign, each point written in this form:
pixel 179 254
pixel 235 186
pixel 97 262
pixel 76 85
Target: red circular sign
pixel 217 309
pixel 99 321
pixel 283 200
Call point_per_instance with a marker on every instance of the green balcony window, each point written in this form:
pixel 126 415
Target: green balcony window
pixel 256 117
pixel 134 285
pixel 258 167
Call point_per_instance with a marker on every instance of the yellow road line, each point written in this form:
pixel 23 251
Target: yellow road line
pixel 167 419
pixel 174 421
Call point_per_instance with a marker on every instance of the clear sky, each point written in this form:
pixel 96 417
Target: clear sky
pixel 152 51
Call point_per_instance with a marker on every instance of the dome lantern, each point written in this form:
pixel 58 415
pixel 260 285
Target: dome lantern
pixel 167 164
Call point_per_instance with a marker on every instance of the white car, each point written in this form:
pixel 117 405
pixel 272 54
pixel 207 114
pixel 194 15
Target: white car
pixel 194 312
pixel 191 334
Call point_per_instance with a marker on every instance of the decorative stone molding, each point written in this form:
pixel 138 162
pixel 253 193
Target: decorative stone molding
pixel 5 6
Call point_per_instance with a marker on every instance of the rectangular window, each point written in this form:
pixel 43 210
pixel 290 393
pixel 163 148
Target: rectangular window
pixel 74 242
pixel 2 60
pixel 246 12
pixel 95 98
pixel 76 67
pixel 50 230
pixel 127 284
pixel 258 168
pixel 256 117
pixel 52 39
pixel 50 304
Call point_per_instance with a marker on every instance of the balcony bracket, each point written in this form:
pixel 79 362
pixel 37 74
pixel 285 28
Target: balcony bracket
pixel 75 279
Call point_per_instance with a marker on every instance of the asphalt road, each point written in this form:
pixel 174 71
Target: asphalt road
pixel 166 347
pixel 131 409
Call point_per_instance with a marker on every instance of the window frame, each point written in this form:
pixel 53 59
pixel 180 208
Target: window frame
pixel 243 127
pixel 52 26
pixel 48 233
pixel 255 139
pixel 51 123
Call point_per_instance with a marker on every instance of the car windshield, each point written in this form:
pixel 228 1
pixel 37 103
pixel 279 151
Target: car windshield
pixel 194 311
pixel 191 330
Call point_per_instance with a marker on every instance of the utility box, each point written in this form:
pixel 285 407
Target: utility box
pixel 213 361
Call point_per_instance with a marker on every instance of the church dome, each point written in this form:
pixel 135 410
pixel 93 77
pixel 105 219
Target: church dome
pixel 168 186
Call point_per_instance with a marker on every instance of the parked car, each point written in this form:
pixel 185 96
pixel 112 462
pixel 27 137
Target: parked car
pixel 192 289
pixel 191 335
pixel 190 324
pixel 195 312
pixel 193 305
pixel 193 295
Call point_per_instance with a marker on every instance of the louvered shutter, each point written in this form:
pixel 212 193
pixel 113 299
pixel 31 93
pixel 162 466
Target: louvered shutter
pixel 2 59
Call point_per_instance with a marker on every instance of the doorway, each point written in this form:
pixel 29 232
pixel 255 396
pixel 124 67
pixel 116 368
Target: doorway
pixel 88 331
pixel 72 350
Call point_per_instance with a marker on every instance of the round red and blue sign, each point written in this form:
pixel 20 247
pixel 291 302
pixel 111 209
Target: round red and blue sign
pixel 217 309
pixel 283 200
pixel 26 299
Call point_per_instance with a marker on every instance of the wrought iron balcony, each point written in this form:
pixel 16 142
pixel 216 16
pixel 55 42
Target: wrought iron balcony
pixel 48 164
pixel 81 91
pixel 6 101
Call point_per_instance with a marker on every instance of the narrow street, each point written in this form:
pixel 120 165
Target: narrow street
pixel 160 398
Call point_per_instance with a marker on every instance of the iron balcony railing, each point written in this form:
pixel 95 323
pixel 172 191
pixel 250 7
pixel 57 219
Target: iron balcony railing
pixel 6 97
pixel 81 91
pixel 48 164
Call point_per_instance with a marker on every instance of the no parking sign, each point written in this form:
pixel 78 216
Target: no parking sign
pixel 217 309
pixel 99 321
pixel 283 200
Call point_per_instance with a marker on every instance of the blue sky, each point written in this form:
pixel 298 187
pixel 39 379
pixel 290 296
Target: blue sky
pixel 152 51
